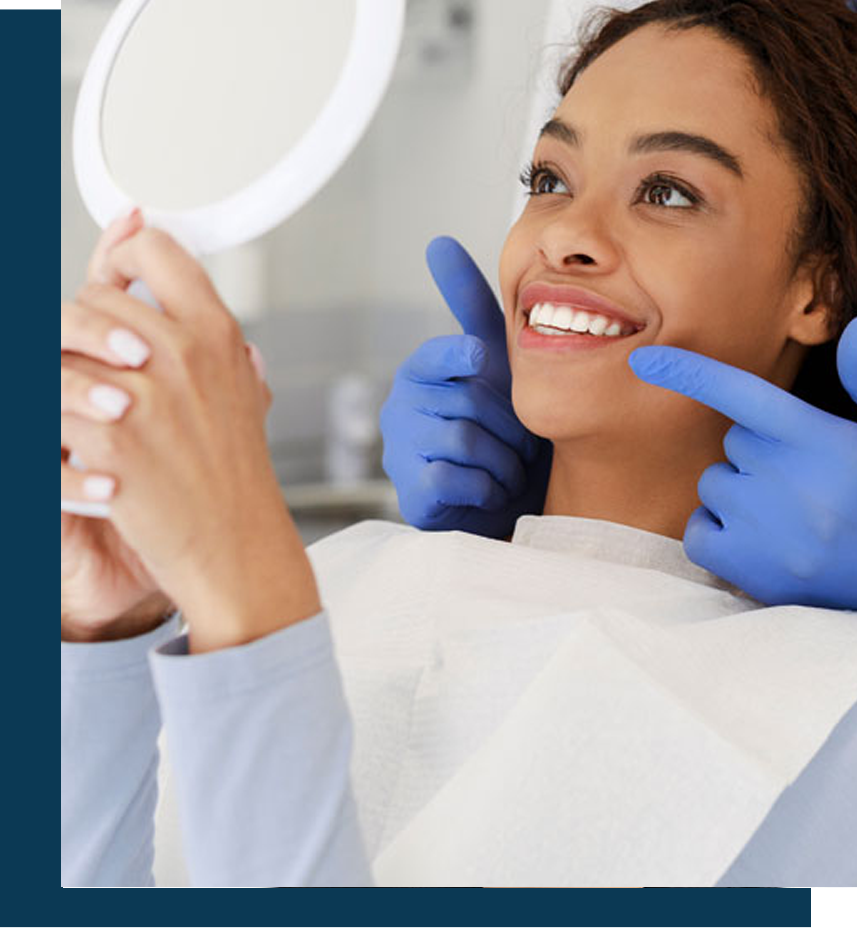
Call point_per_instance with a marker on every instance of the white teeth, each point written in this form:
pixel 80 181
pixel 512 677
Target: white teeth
pixel 566 319
pixel 598 325
pixel 562 317
pixel 580 323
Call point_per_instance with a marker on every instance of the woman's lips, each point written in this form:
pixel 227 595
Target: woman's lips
pixel 565 302
pixel 543 292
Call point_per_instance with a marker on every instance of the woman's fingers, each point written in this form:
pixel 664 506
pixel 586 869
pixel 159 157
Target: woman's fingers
pixel 100 271
pixel 91 396
pixel 177 280
pixel 99 446
pixel 92 443
pixel 82 486
pixel 101 335
pixel 106 323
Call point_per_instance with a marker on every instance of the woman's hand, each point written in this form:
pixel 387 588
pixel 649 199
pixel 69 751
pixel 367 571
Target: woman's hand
pixel 106 591
pixel 185 467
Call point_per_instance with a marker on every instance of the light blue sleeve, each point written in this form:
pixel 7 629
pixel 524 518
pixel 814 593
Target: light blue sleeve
pixel 109 758
pixel 809 838
pixel 260 738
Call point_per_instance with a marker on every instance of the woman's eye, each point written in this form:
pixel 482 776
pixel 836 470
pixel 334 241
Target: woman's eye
pixel 547 182
pixel 540 180
pixel 664 192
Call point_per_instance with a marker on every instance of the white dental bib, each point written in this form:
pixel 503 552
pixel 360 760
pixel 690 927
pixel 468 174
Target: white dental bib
pixel 581 707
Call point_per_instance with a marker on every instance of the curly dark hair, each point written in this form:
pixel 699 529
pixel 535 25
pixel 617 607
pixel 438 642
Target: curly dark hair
pixel 804 57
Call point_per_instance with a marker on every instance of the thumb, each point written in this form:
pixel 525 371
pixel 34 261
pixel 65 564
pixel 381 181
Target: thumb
pixel 99 270
pixel 846 359
pixel 472 302
pixel 465 289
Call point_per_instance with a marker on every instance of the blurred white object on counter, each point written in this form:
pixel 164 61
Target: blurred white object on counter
pixel 353 433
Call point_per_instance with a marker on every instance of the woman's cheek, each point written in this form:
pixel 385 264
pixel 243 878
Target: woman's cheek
pixel 511 269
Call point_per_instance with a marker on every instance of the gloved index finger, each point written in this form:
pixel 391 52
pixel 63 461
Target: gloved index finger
pixel 467 292
pixel 743 397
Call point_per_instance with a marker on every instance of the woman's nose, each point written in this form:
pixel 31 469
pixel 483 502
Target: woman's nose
pixel 578 238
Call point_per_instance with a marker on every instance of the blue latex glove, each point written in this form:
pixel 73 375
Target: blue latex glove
pixel 781 523
pixel 457 453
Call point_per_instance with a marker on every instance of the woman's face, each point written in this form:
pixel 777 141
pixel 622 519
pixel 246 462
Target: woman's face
pixel 660 189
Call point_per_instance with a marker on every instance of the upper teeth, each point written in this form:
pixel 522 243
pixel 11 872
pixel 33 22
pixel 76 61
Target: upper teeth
pixel 575 320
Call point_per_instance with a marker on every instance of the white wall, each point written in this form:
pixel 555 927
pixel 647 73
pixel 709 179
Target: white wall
pixel 438 159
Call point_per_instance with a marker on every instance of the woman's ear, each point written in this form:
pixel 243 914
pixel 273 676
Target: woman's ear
pixel 812 315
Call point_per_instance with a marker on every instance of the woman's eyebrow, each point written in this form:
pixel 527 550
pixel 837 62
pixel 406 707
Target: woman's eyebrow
pixel 655 141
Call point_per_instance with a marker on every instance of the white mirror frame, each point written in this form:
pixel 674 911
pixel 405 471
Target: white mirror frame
pixel 281 191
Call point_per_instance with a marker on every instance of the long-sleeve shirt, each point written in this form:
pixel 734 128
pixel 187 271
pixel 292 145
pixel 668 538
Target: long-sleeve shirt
pixel 275 788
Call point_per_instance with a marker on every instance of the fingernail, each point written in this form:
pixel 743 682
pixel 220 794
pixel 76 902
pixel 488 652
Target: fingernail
pixel 127 346
pixel 99 488
pixel 257 360
pixel 110 400
pixel 120 221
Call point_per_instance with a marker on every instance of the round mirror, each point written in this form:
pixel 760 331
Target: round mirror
pixel 221 118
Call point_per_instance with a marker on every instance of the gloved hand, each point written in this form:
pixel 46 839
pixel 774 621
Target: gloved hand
pixel 453 446
pixel 780 521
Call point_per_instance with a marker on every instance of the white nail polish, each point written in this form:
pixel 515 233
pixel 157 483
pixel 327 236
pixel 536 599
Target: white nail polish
pixel 110 400
pixel 100 488
pixel 131 349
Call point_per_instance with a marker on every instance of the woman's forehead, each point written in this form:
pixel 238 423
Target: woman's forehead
pixel 658 78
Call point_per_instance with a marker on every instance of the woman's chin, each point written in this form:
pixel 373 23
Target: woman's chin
pixel 558 424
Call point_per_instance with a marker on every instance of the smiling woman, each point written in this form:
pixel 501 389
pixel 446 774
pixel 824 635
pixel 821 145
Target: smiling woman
pixel 582 706
pixel 693 179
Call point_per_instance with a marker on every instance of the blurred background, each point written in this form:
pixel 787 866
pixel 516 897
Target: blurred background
pixel 339 295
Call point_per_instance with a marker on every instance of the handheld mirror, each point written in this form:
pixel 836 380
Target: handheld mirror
pixel 221 118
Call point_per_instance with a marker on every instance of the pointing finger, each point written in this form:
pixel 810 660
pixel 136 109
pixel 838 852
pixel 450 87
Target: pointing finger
pixel 747 399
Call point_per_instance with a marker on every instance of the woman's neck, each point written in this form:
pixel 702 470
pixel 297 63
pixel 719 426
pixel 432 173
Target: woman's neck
pixel 645 488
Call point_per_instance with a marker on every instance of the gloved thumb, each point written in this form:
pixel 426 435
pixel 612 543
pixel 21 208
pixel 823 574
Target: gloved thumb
pixel 846 359
pixel 465 289
pixel 471 300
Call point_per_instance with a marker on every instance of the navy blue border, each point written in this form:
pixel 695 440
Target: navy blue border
pixel 29 66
